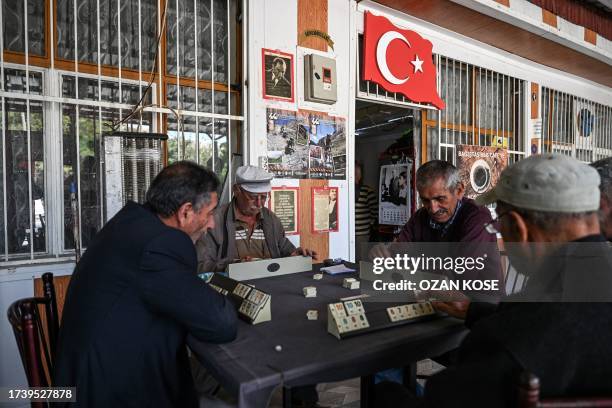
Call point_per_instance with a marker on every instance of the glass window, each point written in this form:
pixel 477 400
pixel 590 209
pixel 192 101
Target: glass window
pixel 186 27
pixel 121 36
pixel 134 48
pixel 14 14
pixel 483 108
pixel 575 126
pixel 25 176
pixel 84 133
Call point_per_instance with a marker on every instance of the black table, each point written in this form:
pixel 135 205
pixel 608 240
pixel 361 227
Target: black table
pixel 250 367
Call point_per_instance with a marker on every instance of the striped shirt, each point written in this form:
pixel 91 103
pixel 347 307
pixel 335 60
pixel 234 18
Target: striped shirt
pixel 366 210
pixel 253 245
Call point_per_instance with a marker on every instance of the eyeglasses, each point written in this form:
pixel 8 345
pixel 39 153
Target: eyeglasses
pixel 255 197
pixel 490 226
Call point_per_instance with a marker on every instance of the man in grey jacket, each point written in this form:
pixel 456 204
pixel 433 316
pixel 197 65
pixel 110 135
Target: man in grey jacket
pixel 245 230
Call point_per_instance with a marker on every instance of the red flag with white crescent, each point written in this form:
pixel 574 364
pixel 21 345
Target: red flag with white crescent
pixel 399 60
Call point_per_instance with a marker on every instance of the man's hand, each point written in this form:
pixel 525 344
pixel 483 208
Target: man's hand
pixel 456 309
pixel 304 252
pixel 379 251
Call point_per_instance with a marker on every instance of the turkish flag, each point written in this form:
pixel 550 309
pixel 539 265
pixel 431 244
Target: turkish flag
pixel 399 61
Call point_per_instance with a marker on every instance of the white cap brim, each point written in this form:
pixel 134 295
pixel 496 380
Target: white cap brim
pixel 257 187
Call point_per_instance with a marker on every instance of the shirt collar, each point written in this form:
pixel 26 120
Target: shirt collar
pixel 443 227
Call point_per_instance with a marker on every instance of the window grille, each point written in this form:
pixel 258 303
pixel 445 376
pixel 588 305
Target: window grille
pixel 575 126
pixel 71 69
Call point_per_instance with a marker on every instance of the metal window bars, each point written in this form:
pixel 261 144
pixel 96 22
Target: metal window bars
pixel 575 126
pixel 483 108
pixel 59 130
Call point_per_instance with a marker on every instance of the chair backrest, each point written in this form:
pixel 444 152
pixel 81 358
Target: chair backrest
pixel 51 311
pixel 529 397
pixel 514 282
pixel 36 349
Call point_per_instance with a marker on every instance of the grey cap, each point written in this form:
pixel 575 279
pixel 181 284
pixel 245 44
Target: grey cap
pixel 254 179
pixel 548 183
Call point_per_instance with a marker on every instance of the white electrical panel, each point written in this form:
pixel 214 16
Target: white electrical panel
pixel 320 79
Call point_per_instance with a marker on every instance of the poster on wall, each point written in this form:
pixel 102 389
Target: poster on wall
pixel 480 167
pixel 287 151
pixel 284 203
pixel 277 75
pixel 394 194
pixel 324 209
pixel 306 145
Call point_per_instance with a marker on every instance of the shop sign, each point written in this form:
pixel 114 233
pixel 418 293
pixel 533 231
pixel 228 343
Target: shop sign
pixel 399 60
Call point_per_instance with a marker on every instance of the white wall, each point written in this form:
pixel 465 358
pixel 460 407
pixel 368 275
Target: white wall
pixel 273 25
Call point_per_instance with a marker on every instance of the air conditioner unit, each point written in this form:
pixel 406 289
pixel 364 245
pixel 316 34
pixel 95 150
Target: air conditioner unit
pixel 131 162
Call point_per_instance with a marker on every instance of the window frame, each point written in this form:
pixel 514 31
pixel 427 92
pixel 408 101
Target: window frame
pixel 54 69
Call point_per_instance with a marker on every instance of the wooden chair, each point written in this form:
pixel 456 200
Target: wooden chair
pixel 529 397
pixel 36 349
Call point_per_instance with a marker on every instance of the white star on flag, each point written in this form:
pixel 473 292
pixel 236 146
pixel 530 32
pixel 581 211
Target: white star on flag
pixel 418 64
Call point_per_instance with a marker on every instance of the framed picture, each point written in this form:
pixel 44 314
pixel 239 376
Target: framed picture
pixel 325 209
pixel 277 75
pixel 285 203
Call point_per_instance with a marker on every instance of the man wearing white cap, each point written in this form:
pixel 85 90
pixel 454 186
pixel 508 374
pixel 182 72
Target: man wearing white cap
pixel 245 229
pixel 558 327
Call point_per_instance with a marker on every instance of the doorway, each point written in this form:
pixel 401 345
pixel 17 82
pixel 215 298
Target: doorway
pixel 387 141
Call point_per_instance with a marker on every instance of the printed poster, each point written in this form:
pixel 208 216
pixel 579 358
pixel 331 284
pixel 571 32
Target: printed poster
pixel 480 167
pixel 306 145
pixel 284 203
pixel 324 209
pixel 288 148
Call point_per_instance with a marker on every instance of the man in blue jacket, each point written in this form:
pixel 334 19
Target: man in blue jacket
pixel 135 295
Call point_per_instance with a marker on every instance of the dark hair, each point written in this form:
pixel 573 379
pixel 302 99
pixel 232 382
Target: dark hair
pixel 180 183
pixel 604 168
pixel 435 169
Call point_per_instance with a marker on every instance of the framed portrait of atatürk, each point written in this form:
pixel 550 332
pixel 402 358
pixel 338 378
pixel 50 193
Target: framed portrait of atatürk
pixel 277 75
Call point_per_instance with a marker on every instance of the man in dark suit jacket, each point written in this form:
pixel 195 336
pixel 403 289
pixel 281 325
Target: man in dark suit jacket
pixel 558 326
pixel 135 295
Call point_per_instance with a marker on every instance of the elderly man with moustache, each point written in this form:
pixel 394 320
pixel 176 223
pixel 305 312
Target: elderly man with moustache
pixel 244 228
pixel 557 327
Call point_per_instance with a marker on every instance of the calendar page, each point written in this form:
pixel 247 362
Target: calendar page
pixel 394 194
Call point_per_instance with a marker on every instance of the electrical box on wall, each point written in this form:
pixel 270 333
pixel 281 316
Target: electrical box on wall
pixel 320 79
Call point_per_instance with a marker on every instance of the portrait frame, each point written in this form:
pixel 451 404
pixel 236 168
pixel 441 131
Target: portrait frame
pixel 272 206
pixel 320 211
pixel 268 58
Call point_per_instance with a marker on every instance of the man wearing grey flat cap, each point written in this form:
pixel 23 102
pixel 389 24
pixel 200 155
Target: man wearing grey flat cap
pixel 604 168
pixel 558 326
pixel 245 229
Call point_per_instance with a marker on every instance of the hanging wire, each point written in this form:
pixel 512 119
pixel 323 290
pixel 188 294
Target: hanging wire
pixel 138 104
